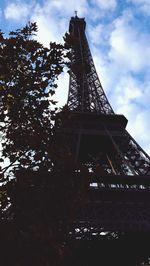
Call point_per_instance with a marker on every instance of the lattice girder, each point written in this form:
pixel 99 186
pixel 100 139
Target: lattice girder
pixel 101 140
pixel 85 90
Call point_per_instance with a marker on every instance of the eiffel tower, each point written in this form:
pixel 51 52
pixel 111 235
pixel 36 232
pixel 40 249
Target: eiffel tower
pixel 112 225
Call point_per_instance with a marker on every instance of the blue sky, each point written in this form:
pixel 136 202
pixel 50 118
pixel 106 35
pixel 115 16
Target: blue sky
pixel 119 37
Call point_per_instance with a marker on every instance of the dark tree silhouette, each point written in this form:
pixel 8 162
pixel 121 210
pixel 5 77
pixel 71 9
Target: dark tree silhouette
pixel 33 195
pixel 27 82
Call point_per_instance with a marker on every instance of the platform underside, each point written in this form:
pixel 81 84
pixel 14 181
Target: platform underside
pixel 128 250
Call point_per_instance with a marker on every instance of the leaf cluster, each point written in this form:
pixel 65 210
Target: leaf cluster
pixel 28 74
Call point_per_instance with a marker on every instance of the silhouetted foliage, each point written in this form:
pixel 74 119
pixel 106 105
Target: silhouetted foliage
pixel 27 82
pixel 39 190
pixel 33 197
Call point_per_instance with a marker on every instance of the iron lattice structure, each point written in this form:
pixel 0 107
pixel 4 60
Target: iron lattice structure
pixel 85 90
pixel 114 169
pixel 86 95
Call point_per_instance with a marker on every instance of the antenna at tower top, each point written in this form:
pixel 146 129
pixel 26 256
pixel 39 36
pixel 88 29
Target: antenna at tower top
pixel 75 13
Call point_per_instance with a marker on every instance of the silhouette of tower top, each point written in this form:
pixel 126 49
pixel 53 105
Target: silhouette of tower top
pixel 85 90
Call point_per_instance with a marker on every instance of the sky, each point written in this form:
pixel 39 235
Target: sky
pixel 118 33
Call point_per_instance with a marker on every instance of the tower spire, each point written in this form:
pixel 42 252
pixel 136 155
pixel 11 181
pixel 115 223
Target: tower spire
pixel 85 90
pixel 76 13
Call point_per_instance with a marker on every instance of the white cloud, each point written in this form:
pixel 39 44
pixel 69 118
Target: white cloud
pixel 139 127
pixel 62 91
pixel 120 66
pixel 146 2
pixel 52 24
pixel 102 68
pixel 52 16
pixel 105 4
pixel 127 48
pixel 143 5
pixel 17 10
pixel 129 100
pixel 47 28
pixel 95 33
pixel 68 8
pixel 128 90
pixel 1 13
